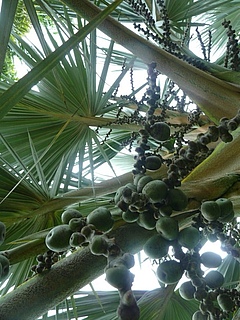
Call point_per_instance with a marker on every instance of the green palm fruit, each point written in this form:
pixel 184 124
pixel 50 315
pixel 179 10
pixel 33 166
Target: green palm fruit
pixel 155 191
pixel 88 232
pixel 146 220
pixel 127 260
pixel 4 267
pixel 118 194
pixel 214 279
pixel 99 245
pixel 160 131
pixel 210 210
pixel 142 182
pixel 189 237
pixel 165 210
pixel 177 199
pixel 68 214
pixel 226 209
pixel 211 259
pixel 167 227
pixel 156 247
pixel 225 302
pixel 130 216
pixel 76 224
pixel 137 177
pixel 187 290
pixel 198 315
pixel 169 272
pixel 76 239
pixel 119 277
pixel 58 238
pixel 153 163
pixel 2 232
pixel 101 218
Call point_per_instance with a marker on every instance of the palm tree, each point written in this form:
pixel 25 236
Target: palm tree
pixel 56 135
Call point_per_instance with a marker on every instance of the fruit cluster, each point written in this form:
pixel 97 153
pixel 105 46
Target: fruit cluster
pixel 4 262
pixel 147 201
pixel 45 261
pixel 119 276
pixel 77 230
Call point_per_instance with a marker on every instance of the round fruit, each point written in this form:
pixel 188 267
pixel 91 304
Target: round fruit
pixel 165 210
pixel 76 224
pixel 142 182
pixel 146 220
pixel 88 232
pixel 187 290
pixel 211 259
pixel 167 227
pixel 58 238
pixel 169 272
pixel 177 199
pixel 4 267
pixel 156 247
pixel 155 190
pixel 210 210
pixel 226 209
pixel 119 277
pixel 2 232
pixel 99 245
pixel 153 163
pixel 68 214
pixel 199 316
pixel 225 302
pixel 76 239
pixel 101 218
pixel 130 216
pixel 189 237
pixel 127 260
pixel 137 177
pixel 118 194
pixel 214 279
pixel 160 131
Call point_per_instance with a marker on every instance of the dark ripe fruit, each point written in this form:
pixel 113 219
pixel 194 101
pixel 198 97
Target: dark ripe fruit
pixel 177 199
pixel 76 224
pixel 101 218
pixel 4 267
pixel 99 245
pixel 225 302
pixel 76 239
pixel 2 232
pixel 68 214
pixel 119 277
pixel 211 259
pixel 189 237
pixel 169 272
pixel 58 238
pixel 199 316
pixel 153 163
pixel 142 182
pixel 187 290
pixel 130 216
pixel 156 247
pixel 160 131
pixel 146 220
pixel 155 191
pixel 214 279
pixel 167 227
pixel 210 210
pixel 226 209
